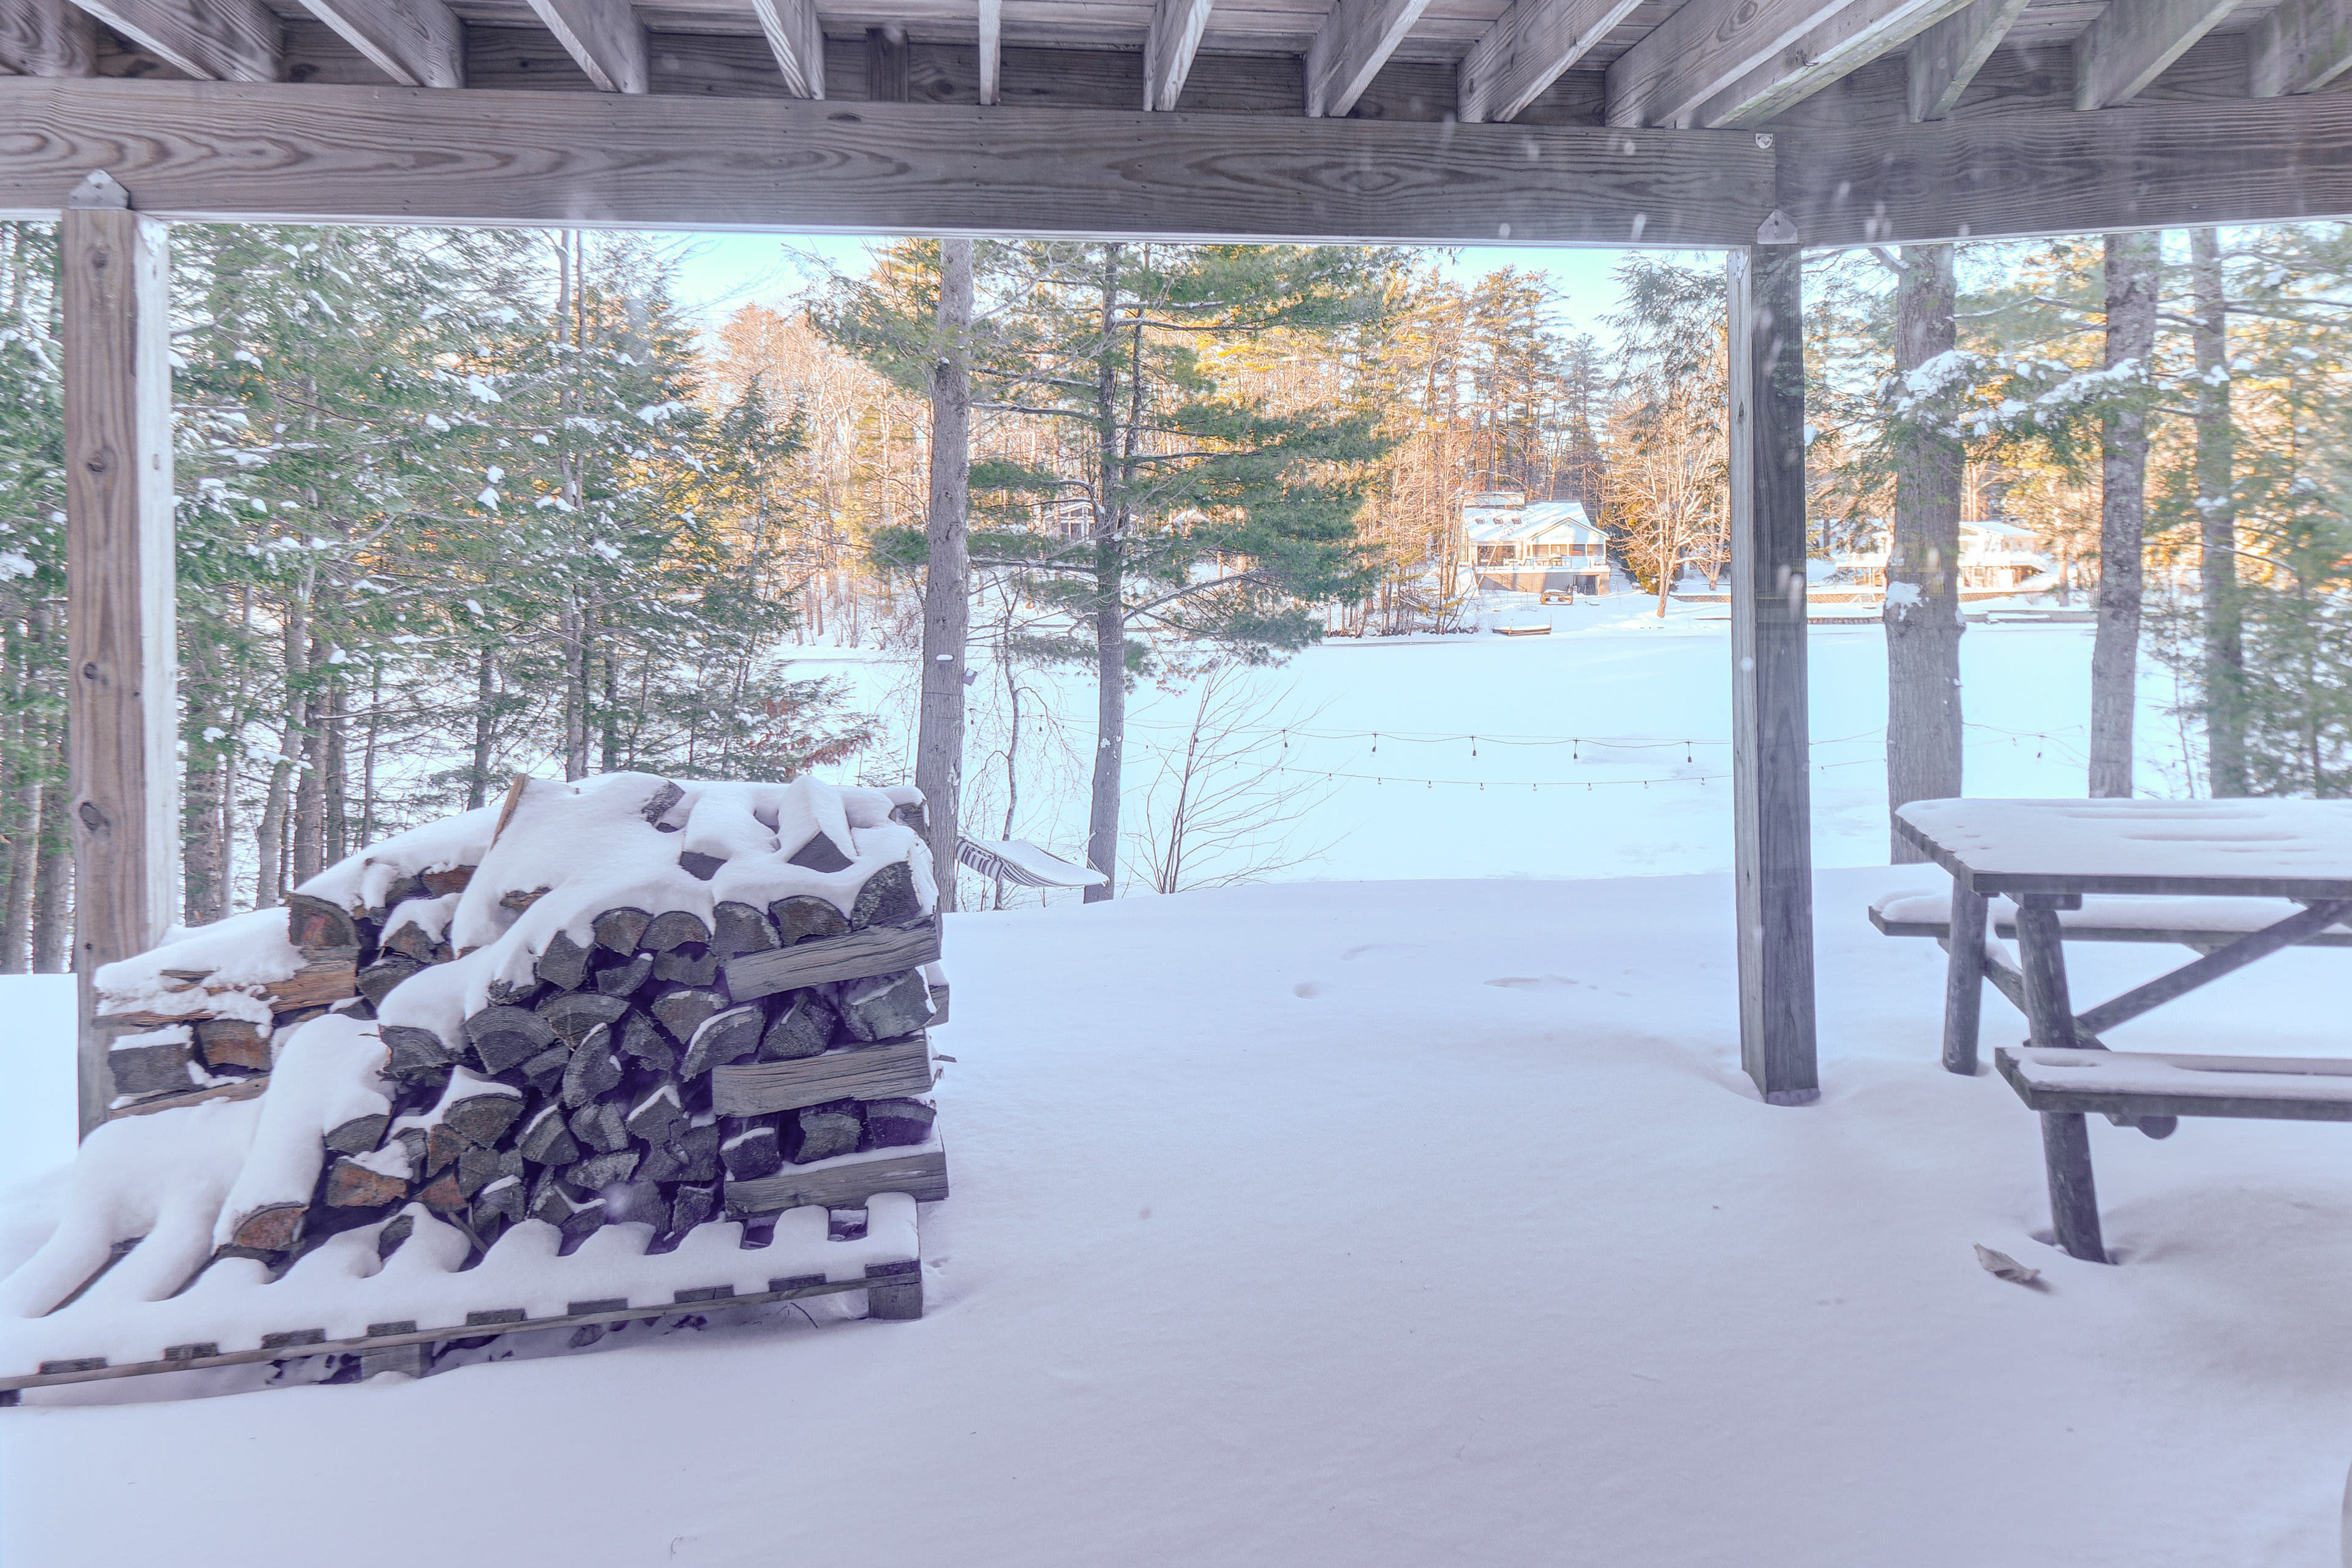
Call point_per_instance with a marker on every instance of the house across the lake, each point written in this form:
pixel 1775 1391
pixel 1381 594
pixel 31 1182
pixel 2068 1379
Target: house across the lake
pixel 1546 546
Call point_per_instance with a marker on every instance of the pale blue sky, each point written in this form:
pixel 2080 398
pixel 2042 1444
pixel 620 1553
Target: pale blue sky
pixel 720 271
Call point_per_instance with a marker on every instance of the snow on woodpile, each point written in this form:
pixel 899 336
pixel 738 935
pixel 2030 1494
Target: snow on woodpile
pixel 625 1004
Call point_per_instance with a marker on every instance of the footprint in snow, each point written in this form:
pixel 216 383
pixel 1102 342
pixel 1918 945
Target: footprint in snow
pixel 1533 983
pixel 1308 988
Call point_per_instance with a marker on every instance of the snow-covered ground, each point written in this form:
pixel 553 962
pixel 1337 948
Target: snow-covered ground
pixel 1371 1221
pixel 1359 1223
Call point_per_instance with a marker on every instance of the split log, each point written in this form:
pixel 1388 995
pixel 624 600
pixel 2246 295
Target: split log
pixel 443 1192
pixel 351 1185
pixel 737 929
pixel 477 1168
pixel 647 1044
pixel 896 1123
pixel 822 1132
pixel 618 930
pixel 272 1227
pixel 804 917
pixel 884 1006
pixel 699 1146
pixel 593 1070
pixel 674 928
pixel 723 1038
pixel 911 816
pixel 879 950
pixel 700 866
pixel 514 993
pixel 577 1220
pixel 753 1151
pixel 888 1070
pixel 442 1147
pixel 601 1126
pixel 310 990
pixel 157 1068
pixel 503 1037
pixel 360 1135
pixel 887 899
pixel 621 979
pixel 599 1170
pixel 820 854
pixel 414 942
pixel 575 1014
pixel 411 1050
pixel 397 1229
pixel 232 1042
pixel 546 1140
pixel 805 1028
pixel 314 924
pixel 640 1201
pixel 451 879
pixel 544 1072
pixel 563 963
pixel 686 1009
pixel 656 1116
pixel 921 1175
pixel 376 981
pixel 691 1206
pixel 688 965
pixel 481 1117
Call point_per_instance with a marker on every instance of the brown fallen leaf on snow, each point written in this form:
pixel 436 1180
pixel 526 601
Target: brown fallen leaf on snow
pixel 2001 1266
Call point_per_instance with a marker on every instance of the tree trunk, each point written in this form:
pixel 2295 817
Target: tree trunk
pixel 1110 609
pixel 2134 264
pixel 335 757
pixel 206 857
pixel 24 867
pixel 1923 577
pixel 2217 506
pixel 53 916
pixel 477 786
pixel 575 692
pixel 947 582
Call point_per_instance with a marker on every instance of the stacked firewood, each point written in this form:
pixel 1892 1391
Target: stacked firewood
pixel 587 1034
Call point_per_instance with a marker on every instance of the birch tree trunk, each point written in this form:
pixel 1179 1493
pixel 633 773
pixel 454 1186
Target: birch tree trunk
pixel 946 581
pixel 1923 599
pixel 2217 506
pixel 2133 268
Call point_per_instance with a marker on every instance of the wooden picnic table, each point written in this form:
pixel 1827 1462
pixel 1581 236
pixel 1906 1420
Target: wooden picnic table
pixel 2045 856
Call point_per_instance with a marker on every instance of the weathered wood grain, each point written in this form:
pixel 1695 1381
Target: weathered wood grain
pixel 418 43
pixel 244 1088
pixel 865 1073
pixel 46 37
pixel 1855 34
pixel 2146 165
pixel 2074 1195
pixel 604 36
pixel 1168 48
pixel 2236 955
pixel 797 42
pixel 1964 982
pixel 1773 763
pixel 226 40
pixel 1355 41
pixel 2301 46
pixel 1945 58
pixel 1526 50
pixel 121 727
pixel 1700 50
pixel 991 50
pixel 885 65
pixel 921 1173
pixel 406 154
pixel 2262 1087
pixel 2127 47
pixel 878 950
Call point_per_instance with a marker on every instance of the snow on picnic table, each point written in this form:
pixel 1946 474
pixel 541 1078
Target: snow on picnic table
pixel 2119 845
pixel 1403 1224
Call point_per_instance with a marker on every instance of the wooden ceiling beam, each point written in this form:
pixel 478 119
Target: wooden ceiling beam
pixel 2182 165
pixel 2129 43
pixel 2301 46
pixel 1168 48
pixel 991 50
pixel 1673 71
pixel 797 42
pixel 375 154
pixel 604 36
pixel 1858 34
pixel 216 40
pixel 1356 39
pixel 46 37
pixel 418 43
pixel 1945 58
pixel 1526 49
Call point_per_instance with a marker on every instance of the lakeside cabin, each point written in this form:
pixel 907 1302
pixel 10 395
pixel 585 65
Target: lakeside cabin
pixel 1535 547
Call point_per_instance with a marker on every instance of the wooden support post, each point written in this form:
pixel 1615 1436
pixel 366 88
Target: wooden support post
pixel 1771 794
pixel 2042 954
pixel 121 717
pixel 2074 1198
pixel 1964 981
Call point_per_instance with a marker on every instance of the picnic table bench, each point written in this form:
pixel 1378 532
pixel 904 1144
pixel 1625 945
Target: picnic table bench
pixel 2243 878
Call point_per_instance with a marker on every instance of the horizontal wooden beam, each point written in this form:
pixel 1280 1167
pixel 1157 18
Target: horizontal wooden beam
pixel 2129 43
pixel 2154 165
pixel 228 40
pixel 2301 46
pixel 387 154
